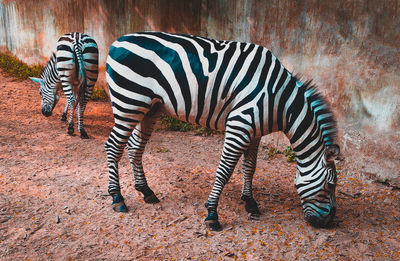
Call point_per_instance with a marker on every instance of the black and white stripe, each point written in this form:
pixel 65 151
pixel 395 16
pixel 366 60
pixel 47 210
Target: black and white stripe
pixel 75 66
pixel 237 87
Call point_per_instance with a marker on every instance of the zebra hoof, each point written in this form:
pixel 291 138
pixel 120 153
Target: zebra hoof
pixel 251 206
pixel 253 210
pixel 152 199
pixel 84 134
pixel 214 225
pixel 120 207
pixel 118 203
pixel 63 117
pixel 212 221
pixel 70 129
pixel 254 216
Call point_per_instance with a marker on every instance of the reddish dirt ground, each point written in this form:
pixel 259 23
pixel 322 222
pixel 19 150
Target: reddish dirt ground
pixel 54 203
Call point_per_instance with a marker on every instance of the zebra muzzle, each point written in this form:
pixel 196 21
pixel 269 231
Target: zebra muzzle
pixel 322 222
pixel 46 112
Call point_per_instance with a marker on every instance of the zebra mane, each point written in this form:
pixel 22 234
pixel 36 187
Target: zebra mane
pixel 49 64
pixel 322 111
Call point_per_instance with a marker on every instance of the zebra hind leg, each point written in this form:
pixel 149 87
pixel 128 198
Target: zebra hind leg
pixel 81 129
pixel 249 166
pixel 71 105
pixel 82 106
pixel 136 146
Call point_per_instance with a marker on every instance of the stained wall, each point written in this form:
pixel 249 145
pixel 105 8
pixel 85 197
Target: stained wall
pixel 351 49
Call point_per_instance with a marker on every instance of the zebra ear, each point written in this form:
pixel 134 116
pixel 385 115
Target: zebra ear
pixel 332 153
pixel 37 80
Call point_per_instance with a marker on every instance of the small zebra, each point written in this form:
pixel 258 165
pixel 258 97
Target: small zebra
pixel 238 87
pixel 75 66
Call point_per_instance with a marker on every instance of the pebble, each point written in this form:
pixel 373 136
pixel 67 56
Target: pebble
pixel 57 219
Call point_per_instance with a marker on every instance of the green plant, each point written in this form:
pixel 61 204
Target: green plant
pixel 13 66
pixel 272 152
pixel 289 154
pixel 161 149
pixel 172 124
pixel 99 94
pixel 169 123
pixel 202 131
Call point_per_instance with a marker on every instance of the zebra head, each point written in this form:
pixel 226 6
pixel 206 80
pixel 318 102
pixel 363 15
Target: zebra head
pixel 317 188
pixel 49 96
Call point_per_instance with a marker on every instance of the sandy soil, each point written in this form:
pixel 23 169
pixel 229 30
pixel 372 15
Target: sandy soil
pixel 54 203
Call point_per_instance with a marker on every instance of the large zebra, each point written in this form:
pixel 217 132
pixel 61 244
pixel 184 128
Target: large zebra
pixel 237 87
pixel 75 65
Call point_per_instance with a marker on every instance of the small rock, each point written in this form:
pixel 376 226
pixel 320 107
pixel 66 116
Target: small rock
pixel 68 211
pixel 230 254
pixel 58 219
pixel 387 201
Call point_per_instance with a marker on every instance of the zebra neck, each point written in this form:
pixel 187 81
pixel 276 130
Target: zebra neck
pixel 305 131
pixel 50 74
pixel 309 158
pixel 308 150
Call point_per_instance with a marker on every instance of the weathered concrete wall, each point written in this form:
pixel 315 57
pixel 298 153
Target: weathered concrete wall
pixel 350 48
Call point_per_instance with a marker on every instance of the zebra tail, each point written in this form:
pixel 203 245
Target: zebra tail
pixel 81 74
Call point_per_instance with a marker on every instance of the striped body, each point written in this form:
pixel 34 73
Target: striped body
pixel 75 66
pixel 237 87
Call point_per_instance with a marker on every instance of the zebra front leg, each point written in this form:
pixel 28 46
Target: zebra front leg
pixel 114 149
pixel 249 166
pixel 233 148
pixel 136 146
pixel 64 115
